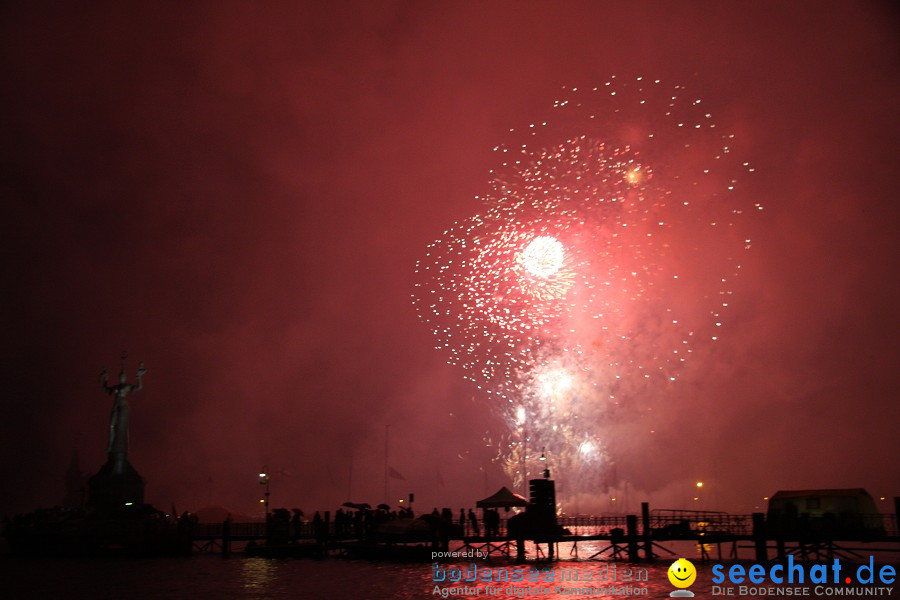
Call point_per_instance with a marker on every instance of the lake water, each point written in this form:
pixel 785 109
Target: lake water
pixel 237 577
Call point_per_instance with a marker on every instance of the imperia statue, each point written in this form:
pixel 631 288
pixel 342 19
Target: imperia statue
pixel 118 419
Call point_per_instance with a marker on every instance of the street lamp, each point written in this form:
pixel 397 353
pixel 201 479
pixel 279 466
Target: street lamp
pixel 264 480
pixel 699 485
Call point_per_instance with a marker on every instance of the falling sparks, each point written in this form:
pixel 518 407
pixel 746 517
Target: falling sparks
pixel 577 294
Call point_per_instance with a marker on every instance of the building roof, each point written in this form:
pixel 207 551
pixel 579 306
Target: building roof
pixel 502 499
pixel 840 492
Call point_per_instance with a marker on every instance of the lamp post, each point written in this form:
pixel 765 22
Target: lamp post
pixel 524 463
pixel 264 480
pixel 520 420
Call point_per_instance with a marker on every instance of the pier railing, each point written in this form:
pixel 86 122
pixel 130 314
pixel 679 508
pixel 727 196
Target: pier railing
pixel 663 524
pixel 673 523
pixel 237 531
pixel 599 525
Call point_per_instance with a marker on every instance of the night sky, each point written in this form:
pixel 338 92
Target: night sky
pixel 238 194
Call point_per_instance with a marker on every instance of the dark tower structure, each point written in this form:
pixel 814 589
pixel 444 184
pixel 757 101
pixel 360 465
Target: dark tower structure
pixel 541 507
pixel 74 485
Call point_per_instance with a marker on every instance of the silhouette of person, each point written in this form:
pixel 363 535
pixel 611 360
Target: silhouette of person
pixel 296 524
pixel 474 521
pixel 320 530
pixel 339 521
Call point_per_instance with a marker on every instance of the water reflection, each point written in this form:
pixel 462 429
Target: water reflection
pixel 258 575
pixel 240 578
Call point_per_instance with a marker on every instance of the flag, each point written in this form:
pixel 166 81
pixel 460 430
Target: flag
pixel 395 474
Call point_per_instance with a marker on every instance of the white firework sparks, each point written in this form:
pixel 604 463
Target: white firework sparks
pixel 575 297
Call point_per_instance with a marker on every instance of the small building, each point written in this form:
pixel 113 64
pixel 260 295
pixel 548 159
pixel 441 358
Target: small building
pixel 835 514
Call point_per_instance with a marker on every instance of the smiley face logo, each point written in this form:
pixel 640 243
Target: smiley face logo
pixel 682 573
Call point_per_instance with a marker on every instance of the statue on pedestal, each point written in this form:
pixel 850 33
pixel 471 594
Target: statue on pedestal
pixel 118 419
pixel 117 484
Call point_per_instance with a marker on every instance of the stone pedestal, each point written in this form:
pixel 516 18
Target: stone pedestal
pixel 111 491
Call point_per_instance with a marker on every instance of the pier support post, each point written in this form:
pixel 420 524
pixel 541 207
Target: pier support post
pixel 631 525
pixel 645 524
pixel 759 537
pixel 520 549
pixel 226 538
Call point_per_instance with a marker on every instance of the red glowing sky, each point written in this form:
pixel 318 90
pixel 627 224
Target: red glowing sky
pixel 238 196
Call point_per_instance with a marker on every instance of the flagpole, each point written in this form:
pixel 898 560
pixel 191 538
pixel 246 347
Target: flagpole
pixel 386 433
pixel 350 480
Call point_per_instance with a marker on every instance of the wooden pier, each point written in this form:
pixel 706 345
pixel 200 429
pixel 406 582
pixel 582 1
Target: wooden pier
pixel 632 538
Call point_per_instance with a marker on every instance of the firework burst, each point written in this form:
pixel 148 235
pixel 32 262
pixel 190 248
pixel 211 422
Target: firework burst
pixel 602 257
